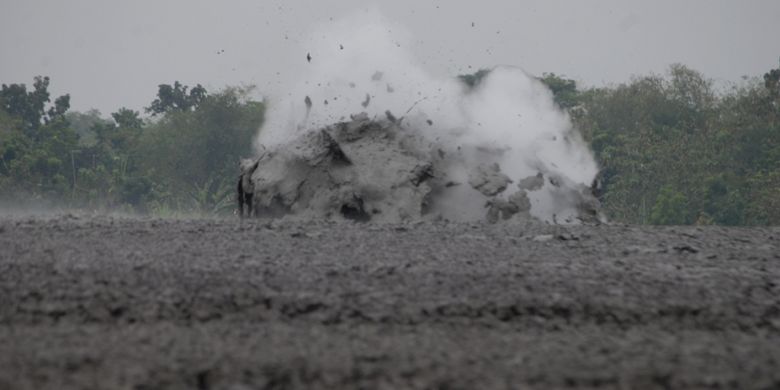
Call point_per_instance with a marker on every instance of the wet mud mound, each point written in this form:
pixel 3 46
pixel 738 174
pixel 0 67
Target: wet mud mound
pixel 360 170
pixel 380 170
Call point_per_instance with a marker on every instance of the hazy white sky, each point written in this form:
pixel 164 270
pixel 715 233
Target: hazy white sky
pixel 108 53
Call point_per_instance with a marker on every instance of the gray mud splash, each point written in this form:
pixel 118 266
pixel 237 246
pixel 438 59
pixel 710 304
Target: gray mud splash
pixel 109 303
pixel 380 171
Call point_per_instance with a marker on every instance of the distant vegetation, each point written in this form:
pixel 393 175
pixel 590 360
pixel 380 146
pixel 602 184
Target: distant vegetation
pixel 673 149
pixel 183 161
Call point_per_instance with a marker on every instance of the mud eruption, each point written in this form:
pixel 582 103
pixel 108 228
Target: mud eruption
pixel 366 134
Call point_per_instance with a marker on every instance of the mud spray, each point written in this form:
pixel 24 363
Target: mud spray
pixel 504 131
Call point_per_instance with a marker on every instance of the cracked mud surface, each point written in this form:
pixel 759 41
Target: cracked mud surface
pixel 111 303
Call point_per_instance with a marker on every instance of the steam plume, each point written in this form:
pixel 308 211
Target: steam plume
pixel 362 63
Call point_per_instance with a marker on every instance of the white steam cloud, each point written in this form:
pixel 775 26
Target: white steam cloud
pixel 362 63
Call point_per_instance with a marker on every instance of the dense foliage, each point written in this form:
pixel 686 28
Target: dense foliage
pixel 672 148
pixel 183 161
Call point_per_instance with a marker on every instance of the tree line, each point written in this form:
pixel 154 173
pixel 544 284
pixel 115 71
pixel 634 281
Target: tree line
pixel 182 160
pixel 673 149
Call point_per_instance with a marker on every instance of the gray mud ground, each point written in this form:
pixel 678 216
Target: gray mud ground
pixel 107 303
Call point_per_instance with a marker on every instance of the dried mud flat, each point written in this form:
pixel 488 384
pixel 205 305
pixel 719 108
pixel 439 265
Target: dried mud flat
pixel 120 303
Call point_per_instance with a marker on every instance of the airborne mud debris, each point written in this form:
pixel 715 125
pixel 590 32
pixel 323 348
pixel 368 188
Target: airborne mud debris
pixel 489 180
pixel 477 137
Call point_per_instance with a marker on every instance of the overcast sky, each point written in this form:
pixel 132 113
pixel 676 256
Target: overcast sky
pixel 108 54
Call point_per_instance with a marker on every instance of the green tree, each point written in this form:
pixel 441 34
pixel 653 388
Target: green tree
pixel 719 152
pixel 564 90
pixel 724 202
pixel 175 98
pixel 30 106
pixel 193 154
pixel 109 173
pixel 83 124
pixel 37 142
pixel 13 144
pixel 653 132
pixel 127 118
pixel 772 84
pixel 670 208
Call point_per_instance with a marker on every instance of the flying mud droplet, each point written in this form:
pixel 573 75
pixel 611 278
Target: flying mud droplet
pixel 532 183
pixel 489 180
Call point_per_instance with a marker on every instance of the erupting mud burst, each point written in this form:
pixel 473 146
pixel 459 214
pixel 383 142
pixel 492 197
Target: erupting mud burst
pixel 426 148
